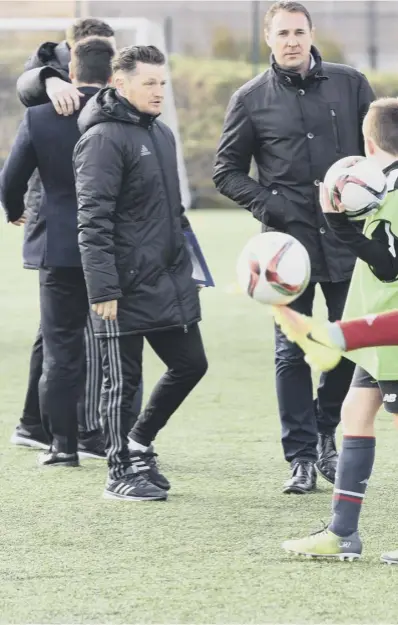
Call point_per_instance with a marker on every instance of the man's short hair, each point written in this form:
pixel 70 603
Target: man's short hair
pixel 290 7
pixel 88 27
pixel 382 124
pixel 127 59
pixel 92 60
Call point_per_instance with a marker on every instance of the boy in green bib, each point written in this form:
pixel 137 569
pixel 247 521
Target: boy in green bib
pixel 373 290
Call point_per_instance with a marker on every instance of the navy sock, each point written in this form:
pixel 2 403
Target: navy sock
pixel 353 472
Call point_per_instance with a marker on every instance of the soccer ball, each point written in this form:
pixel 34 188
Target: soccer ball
pixel 358 184
pixel 273 268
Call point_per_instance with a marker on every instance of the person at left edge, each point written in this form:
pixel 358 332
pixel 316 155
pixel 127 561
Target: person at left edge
pixel 45 140
pixel 46 79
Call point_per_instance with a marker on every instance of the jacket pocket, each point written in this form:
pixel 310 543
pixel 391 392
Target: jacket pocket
pixel 128 273
pixel 335 130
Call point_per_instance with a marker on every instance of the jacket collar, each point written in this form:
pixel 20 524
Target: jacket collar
pixel 295 79
pixel 141 119
pixel 89 90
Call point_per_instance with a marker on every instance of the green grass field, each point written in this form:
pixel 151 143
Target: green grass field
pixel 211 554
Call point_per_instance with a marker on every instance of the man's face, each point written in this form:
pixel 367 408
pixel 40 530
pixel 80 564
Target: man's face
pixel 290 40
pixel 144 88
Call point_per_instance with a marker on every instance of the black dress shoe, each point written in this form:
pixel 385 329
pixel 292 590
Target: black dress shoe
pixel 303 478
pixel 57 459
pixel 327 457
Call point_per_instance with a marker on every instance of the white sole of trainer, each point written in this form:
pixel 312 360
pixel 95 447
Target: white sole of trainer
pixel 389 562
pixel 350 557
pixel 26 442
pixel 108 495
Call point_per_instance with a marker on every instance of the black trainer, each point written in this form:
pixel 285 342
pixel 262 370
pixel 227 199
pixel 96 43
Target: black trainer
pixel 91 445
pixel 58 459
pixel 30 436
pixel 140 459
pixel 134 486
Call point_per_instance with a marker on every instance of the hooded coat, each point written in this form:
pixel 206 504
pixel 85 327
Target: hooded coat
pixel 130 219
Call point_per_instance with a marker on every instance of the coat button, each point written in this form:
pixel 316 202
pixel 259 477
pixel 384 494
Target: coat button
pixel 322 230
pixel 274 192
pixel 310 135
pixel 131 271
pixel 301 92
pixel 316 183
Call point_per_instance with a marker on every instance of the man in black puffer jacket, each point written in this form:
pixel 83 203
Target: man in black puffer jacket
pixel 136 263
pixel 296 119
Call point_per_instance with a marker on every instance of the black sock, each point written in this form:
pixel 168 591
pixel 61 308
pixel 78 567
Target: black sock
pixel 353 472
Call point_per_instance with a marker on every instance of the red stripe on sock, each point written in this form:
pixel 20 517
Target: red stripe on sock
pixel 346 498
pixel 371 332
pixel 356 436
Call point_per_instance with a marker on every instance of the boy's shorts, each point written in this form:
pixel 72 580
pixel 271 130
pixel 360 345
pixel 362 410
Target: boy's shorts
pixel 388 390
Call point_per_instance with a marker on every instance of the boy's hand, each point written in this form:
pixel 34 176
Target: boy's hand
pixel 325 202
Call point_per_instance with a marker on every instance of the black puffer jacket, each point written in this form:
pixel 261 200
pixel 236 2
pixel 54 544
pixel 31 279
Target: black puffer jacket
pixel 131 220
pixel 295 129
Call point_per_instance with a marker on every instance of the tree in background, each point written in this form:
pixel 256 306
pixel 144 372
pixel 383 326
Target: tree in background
pixel 226 45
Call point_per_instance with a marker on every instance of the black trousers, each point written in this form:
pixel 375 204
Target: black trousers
pixel 31 410
pixel 301 416
pixel 88 414
pixel 185 359
pixel 63 310
pixel 88 404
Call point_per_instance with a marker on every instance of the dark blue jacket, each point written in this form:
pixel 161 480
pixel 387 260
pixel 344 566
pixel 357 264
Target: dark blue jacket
pixel 46 140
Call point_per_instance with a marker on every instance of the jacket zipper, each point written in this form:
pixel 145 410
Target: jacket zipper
pixel 172 239
pixel 335 130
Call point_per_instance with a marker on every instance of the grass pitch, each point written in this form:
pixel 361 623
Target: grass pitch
pixel 211 554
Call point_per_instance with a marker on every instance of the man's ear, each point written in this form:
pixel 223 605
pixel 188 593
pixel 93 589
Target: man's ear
pixel 71 72
pixel 118 81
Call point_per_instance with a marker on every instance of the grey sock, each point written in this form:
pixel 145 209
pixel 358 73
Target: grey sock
pixel 337 336
pixel 354 468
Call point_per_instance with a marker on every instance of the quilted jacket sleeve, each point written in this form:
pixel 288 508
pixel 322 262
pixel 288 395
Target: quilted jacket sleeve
pixel 98 164
pixel 232 166
pixel 31 86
